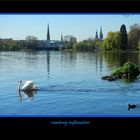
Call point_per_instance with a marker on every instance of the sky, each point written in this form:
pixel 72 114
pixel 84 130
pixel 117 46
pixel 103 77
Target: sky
pixel 81 26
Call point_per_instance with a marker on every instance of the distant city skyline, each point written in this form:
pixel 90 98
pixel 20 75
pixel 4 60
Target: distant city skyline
pixel 81 26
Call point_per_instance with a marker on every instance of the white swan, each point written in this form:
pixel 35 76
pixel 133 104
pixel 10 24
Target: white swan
pixel 28 86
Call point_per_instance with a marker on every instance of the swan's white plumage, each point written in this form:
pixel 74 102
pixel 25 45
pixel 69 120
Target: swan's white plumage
pixel 28 85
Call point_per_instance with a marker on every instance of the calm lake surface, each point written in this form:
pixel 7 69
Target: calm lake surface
pixel 70 83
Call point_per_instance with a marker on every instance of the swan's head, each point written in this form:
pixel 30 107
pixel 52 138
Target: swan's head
pixel 19 81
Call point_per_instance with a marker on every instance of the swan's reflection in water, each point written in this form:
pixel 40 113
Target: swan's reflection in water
pixel 26 94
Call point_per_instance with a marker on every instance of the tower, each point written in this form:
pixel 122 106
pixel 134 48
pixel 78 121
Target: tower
pixel 96 36
pixel 61 37
pixel 48 33
pixel 101 34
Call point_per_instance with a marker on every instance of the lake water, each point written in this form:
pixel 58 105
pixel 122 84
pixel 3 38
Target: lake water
pixel 70 83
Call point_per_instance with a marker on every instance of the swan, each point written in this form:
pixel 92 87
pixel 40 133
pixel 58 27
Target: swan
pixel 28 86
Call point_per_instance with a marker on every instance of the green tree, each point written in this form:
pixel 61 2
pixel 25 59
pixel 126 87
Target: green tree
pixel 10 45
pixel 134 36
pixel 124 38
pixel 112 41
pixel 84 46
pixel 68 44
pixel 107 44
pixel 117 40
pixel 98 44
pixel 139 45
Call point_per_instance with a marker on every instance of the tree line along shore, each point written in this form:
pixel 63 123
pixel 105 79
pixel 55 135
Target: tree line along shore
pixel 120 40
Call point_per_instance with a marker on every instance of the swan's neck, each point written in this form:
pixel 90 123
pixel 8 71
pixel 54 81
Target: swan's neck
pixel 19 86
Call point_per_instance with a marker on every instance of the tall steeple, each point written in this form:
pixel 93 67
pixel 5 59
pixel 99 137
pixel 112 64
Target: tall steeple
pixel 61 37
pixel 101 34
pixel 48 33
pixel 96 36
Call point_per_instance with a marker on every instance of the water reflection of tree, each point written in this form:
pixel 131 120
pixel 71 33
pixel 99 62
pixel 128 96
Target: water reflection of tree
pixel 68 57
pixel 117 59
pixel 31 56
pixel 99 61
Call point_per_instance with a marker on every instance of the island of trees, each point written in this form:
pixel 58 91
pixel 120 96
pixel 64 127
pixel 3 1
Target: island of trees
pixel 128 71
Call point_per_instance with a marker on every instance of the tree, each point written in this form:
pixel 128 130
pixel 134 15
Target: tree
pixel 123 39
pixel 84 46
pixel 117 40
pixel 31 38
pixel 98 44
pixel 69 41
pixel 139 45
pixel 134 36
pixel 112 41
pixel 32 42
pixel 107 44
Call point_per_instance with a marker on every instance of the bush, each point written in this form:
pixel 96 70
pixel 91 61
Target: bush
pixel 127 72
pixel 130 68
pixel 127 68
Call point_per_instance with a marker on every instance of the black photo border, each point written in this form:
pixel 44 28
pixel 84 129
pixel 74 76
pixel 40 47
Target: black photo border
pixel 86 7
pixel 69 6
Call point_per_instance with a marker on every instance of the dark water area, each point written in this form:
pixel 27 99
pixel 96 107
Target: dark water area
pixel 70 83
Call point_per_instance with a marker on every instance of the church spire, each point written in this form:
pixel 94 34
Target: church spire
pixel 48 33
pixel 96 36
pixel 61 37
pixel 101 34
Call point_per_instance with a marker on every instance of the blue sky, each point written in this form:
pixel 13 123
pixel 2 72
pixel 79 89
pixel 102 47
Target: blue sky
pixel 82 26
